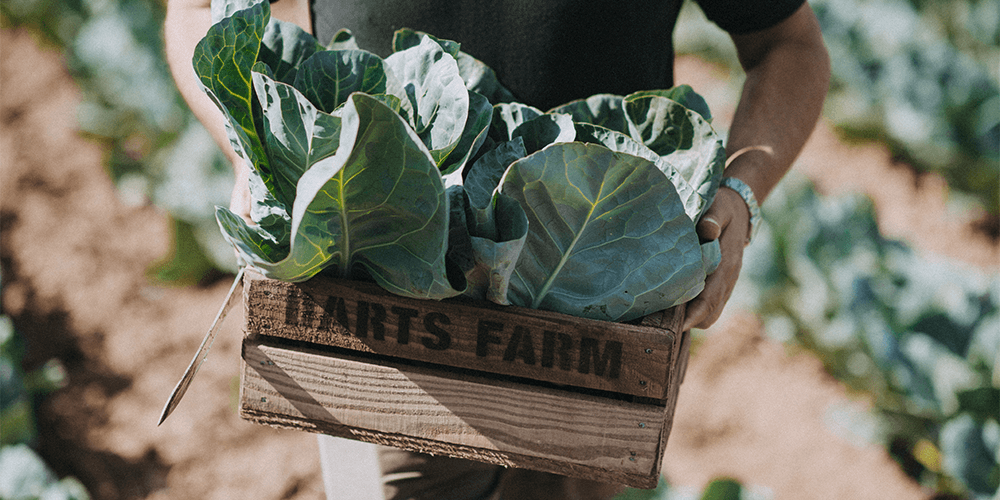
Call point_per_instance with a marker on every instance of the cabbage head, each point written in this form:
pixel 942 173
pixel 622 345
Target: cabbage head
pixel 422 173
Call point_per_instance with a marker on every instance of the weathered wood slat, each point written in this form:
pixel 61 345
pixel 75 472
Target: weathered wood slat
pixel 497 384
pixel 421 409
pixel 507 340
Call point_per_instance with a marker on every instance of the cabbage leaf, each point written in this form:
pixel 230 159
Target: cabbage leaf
pixel 609 238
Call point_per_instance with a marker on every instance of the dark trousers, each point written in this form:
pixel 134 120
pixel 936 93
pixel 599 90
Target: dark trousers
pixel 414 476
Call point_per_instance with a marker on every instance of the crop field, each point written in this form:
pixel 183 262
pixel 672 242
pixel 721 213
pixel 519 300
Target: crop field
pixel 859 357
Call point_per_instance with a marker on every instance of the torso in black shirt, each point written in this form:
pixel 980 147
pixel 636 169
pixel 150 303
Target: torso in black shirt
pixel 548 52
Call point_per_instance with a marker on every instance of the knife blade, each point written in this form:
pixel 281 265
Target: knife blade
pixel 202 354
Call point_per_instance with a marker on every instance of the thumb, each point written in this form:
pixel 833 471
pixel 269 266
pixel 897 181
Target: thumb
pixel 727 208
pixel 709 228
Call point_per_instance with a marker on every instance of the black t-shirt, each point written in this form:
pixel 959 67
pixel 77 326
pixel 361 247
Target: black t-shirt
pixel 549 52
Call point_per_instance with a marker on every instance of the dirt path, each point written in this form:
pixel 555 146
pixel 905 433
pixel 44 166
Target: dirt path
pixel 74 259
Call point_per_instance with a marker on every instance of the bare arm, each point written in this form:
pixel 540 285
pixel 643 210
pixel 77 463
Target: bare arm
pixel 185 24
pixel 788 72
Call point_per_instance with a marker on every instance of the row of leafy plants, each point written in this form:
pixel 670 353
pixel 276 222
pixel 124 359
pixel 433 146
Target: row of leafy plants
pixel 921 76
pixel 919 336
pixel 722 488
pixel 24 474
pixel 157 152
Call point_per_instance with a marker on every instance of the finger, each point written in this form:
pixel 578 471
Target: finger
pixel 707 307
pixel 696 312
pixel 712 301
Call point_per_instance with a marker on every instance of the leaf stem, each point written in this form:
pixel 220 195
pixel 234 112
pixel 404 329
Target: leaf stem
pixel 562 262
pixel 345 252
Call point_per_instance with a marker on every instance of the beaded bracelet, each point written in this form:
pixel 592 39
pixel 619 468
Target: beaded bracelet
pixel 746 193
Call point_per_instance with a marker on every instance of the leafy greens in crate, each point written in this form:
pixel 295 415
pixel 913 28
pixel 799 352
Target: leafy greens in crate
pixel 420 172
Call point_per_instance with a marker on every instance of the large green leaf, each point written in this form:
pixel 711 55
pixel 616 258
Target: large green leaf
pixel 473 135
pixel 284 47
pixel 406 38
pixel 544 130
pixel 494 225
pixel 508 116
pixel 496 248
pixel 297 134
pixel 223 60
pixel 608 237
pixel 683 137
pixel 604 110
pixel 616 141
pixel 660 123
pixel 478 77
pixel 683 95
pixel 485 174
pixel 433 94
pixel 379 204
pixel 330 76
pixel 255 246
pixel 484 243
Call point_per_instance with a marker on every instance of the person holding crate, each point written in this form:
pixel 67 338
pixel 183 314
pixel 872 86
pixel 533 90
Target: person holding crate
pixel 548 53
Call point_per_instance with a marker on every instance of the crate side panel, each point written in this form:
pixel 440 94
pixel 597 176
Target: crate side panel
pixel 561 429
pixel 539 345
pixel 646 480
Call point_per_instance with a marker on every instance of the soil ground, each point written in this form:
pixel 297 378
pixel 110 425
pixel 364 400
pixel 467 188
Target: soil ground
pixel 74 259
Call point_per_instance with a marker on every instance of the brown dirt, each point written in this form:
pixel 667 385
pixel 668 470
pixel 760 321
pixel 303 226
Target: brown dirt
pixel 74 259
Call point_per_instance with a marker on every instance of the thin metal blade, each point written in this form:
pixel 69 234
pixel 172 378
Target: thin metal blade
pixel 202 354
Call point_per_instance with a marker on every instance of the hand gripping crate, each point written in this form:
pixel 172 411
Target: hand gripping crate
pixel 499 384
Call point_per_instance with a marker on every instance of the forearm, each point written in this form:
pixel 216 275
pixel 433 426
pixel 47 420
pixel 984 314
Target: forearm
pixel 788 72
pixel 782 99
pixel 185 24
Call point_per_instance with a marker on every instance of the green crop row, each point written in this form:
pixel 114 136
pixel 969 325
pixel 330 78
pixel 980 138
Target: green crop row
pixel 921 76
pixel 919 335
pixel 24 475
pixel 157 151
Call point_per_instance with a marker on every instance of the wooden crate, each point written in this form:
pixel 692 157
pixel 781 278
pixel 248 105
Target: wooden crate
pixel 503 385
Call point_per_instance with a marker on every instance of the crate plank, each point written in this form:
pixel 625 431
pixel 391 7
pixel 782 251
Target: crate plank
pixel 426 410
pixel 507 340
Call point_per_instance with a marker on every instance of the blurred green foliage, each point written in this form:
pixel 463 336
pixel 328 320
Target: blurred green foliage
pixel 25 476
pixel 23 473
pixel 157 151
pixel 920 335
pixel 717 489
pixel 921 76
